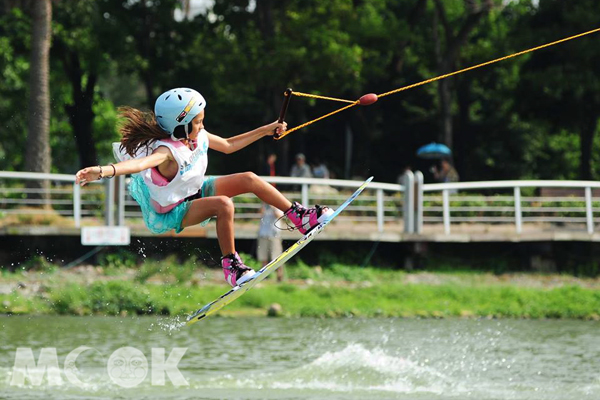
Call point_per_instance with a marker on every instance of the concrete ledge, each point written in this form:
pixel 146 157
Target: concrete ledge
pixel 350 232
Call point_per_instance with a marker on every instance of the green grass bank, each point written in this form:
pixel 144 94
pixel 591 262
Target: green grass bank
pixel 172 287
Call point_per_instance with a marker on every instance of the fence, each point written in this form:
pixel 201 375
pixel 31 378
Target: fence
pixel 108 200
pixel 410 207
pixel 506 202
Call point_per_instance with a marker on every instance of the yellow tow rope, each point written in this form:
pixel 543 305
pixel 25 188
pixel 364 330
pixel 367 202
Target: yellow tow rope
pixel 353 103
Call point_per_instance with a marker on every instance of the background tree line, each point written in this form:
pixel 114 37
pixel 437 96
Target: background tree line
pixel 535 116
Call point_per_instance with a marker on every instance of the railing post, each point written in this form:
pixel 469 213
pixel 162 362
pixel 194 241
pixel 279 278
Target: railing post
pixel 446 210
pixel 305 195
pixel 109 208
pixel 77 205
pixel 518 216
pixel 419 199
pixel 380 210
pixel 408 209
pixel 589 212
pixel 121 201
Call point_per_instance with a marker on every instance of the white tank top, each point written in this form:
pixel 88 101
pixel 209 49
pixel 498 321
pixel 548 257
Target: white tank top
pixel 192 167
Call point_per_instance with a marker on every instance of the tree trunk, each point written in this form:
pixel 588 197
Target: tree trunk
pixel 81 118
pixel 444 92
pixel 414 18
pixel 148 80
pixel 37 154
pixel 463 135
pixel 447 60
pixel 446 112
pixel 586 141
pixel 80 111
pixel 348 157
pixel 272 90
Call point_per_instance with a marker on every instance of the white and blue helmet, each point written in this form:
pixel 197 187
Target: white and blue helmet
pixel 176 108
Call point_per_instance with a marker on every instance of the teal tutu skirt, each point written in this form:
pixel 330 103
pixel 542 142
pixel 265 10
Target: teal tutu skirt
pixel 162 223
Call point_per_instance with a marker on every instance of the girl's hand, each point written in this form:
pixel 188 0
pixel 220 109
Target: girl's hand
pixel 276 128
pixel 89 174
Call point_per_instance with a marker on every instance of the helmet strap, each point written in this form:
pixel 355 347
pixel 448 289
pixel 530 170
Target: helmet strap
pixel 182 132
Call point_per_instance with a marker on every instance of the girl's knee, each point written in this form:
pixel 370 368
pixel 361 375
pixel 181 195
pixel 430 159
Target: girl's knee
pixel 250 178
pixel 224 205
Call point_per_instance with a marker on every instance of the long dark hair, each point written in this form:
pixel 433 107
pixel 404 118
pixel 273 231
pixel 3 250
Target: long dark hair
pixel 139 128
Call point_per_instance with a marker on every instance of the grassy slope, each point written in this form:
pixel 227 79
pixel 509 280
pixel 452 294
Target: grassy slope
pixel 175 288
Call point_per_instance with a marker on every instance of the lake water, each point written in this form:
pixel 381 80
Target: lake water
pixel 261 358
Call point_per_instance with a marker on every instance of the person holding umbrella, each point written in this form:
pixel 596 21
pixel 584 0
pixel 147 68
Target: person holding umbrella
pixel 445 172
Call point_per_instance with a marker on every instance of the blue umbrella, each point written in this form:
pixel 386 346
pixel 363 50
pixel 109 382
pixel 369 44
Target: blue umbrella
pixel 433 151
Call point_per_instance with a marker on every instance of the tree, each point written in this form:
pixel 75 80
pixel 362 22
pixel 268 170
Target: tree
pixel 15 54
pixel 148 42
pixel 534 116
pixel 78 46
pixel 38 157
pixel 243 58
pixel 490 137
pixel 560 87
pixel 454 39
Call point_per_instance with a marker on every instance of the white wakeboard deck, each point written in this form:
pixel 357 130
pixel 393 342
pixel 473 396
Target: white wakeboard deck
pixel 239 290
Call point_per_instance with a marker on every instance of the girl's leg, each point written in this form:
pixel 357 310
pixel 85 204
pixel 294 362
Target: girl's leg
pixel 249 182
pixel 221 207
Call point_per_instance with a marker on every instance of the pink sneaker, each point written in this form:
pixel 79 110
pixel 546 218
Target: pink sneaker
pixel 234 269
pixel 305 219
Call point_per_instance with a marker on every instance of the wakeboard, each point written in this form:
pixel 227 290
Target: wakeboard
pixel 265 271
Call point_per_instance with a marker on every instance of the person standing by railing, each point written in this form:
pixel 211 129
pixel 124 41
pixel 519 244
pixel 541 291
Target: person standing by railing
pixel 167 153
pixel 301 169
pixel 269 244
pixel 320 169
pixel 446 173
pixel 268 168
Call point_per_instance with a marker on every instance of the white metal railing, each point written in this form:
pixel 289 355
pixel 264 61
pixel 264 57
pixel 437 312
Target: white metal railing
pixel 513 208
pixel 62 198
pixel 409 206
pixel 381 202
pixel 110 200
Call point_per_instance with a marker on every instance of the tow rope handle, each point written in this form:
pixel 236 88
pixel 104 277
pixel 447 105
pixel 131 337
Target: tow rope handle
pixel 287 96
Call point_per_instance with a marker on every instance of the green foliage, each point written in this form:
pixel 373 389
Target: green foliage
pixel 113 262
pixel 250 261
pixel 338 291
pixel 528 117
pixel 38 263
pixel 336 271
pixel 106 298
pixel 148 269
pixel 169 270
pixel 301 270
pixel 15 35
pixel 352 273
pixel 570 88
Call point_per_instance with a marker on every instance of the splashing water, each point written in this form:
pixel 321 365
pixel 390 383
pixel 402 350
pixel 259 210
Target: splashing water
pixel 169 324
pixel 353 369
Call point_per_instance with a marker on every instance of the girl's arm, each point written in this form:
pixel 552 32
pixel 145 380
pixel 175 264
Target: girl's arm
pixel 132 166
pixel 233 144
